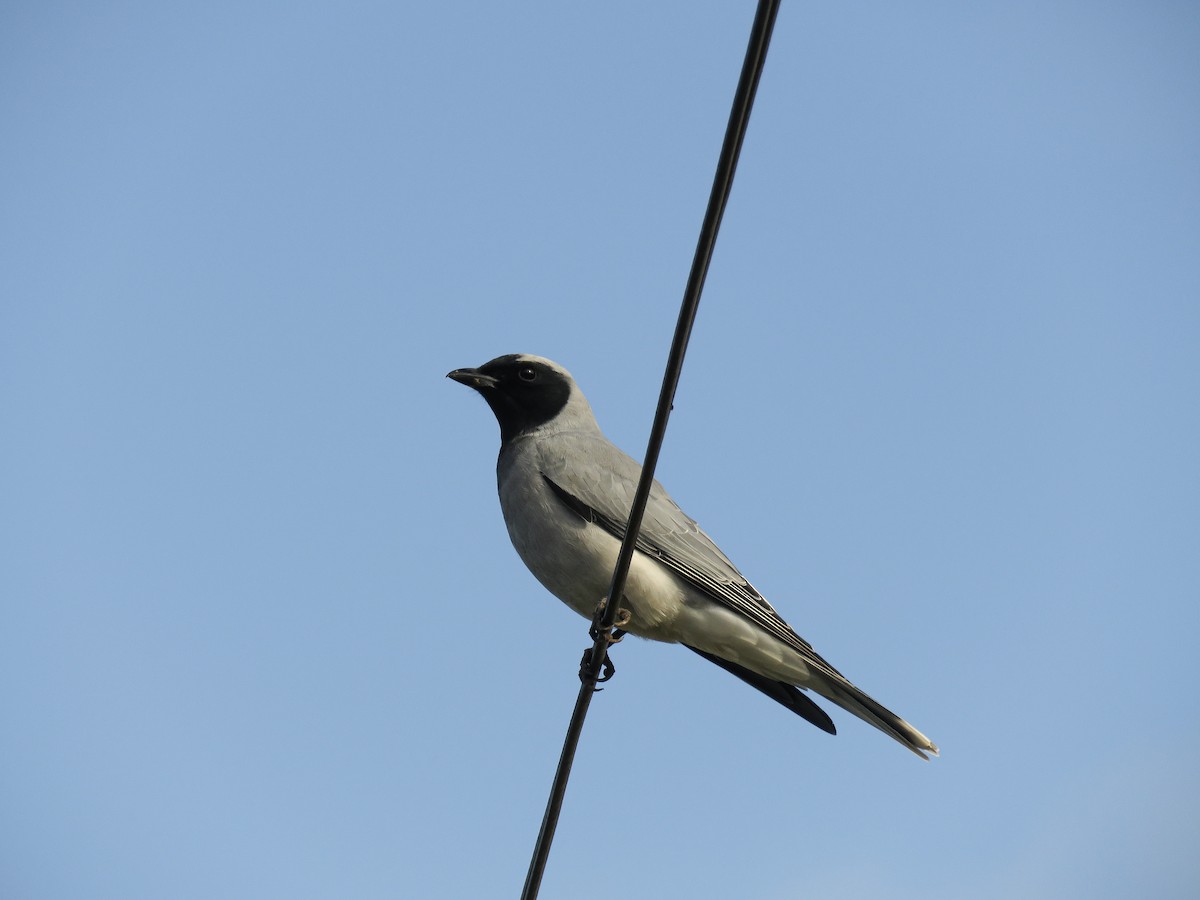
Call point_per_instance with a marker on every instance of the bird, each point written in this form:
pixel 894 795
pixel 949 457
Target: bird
pixel 566 491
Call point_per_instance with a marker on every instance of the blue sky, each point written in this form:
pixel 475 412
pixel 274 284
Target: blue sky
pixel 263 632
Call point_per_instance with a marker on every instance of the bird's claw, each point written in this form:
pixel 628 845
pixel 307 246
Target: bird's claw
pixel 607 669
pixel 622 619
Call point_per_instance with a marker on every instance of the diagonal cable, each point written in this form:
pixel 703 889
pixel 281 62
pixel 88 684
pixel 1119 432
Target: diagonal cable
pixel 595 658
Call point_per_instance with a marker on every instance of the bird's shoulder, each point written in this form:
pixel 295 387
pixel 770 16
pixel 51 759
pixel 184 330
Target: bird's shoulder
pixel 596 475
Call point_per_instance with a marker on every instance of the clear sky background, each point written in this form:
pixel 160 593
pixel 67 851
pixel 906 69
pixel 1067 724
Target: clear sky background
pixel 262 633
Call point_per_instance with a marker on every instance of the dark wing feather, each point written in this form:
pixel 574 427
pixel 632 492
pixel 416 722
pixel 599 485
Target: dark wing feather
pixel 779 691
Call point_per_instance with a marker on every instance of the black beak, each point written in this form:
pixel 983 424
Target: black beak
pixel 472 378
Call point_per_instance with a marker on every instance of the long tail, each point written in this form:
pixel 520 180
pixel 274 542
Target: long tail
pixel 871 711
pixel 832 687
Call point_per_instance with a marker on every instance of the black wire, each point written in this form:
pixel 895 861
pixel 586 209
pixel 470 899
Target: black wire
pixel 594 659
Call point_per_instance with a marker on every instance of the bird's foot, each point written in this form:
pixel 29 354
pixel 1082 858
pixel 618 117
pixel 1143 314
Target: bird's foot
pixel 622 619
pixel 594 631
pixel 607 670
pixel 611 635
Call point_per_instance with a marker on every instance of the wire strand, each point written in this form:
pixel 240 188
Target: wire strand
pixel 595 658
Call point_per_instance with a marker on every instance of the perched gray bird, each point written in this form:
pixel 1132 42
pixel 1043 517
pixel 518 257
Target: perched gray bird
pixel 566 492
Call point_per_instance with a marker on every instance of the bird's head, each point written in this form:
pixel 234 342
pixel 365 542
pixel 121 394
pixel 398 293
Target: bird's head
pixel 528 392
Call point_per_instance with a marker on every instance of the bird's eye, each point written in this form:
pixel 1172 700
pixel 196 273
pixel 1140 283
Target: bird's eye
pixel 527 373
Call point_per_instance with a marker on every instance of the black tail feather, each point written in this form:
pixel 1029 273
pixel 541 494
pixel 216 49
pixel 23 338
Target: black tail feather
pixel 786 694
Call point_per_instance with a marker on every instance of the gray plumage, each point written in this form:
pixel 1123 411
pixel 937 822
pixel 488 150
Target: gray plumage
pixel 566 491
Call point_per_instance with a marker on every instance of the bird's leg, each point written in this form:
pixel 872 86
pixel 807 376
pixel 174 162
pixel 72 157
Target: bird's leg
pixel 611 637
pixel 622 619
pixel 594 631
